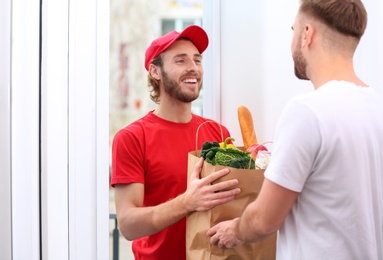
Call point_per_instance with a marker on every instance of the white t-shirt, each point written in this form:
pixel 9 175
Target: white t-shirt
pixel 329 147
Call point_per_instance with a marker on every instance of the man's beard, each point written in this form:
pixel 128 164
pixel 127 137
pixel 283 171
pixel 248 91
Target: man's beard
pixel 300 64
pixel 173 89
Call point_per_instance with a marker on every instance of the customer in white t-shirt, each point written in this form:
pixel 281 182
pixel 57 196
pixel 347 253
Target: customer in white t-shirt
pixel 323 190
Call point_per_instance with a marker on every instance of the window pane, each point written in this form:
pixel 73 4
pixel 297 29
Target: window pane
pixel 186 23
pixel 168 25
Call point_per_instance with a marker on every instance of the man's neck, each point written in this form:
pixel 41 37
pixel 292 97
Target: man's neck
pixel 178 113
pixel 336 70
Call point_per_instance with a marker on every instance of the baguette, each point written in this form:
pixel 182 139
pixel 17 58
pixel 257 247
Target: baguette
pixel 247 127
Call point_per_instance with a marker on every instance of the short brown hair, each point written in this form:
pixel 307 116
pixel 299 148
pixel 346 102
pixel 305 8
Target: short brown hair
pixel 348 17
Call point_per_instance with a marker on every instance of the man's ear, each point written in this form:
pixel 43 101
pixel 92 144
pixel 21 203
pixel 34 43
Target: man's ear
pixel 307 36
pixel 154 72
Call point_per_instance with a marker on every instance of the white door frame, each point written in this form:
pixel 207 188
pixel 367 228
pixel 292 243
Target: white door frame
pixel 5 130
pixel 25 132
pixel 54 152
pixel 75 146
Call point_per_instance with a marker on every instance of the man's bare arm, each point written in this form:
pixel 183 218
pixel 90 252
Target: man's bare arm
pixel 137 221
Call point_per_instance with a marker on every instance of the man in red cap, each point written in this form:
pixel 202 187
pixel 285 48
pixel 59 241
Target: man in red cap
pixel 149 156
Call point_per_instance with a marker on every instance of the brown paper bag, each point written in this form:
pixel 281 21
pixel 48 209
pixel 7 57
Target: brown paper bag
pixel 198 245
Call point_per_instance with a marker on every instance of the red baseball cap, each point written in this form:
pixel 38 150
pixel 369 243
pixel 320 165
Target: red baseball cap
pixel 194 33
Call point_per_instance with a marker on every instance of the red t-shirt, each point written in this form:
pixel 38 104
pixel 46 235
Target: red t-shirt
pixel 154 152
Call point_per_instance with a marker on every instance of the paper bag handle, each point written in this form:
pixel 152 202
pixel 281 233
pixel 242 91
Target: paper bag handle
pixel 210 121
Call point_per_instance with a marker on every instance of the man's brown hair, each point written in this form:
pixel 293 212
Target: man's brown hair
pixel 154 84
pixel 348 17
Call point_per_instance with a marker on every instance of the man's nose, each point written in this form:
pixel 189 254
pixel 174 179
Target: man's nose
pixel 193 66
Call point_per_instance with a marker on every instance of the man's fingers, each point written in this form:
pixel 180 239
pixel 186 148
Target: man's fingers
pixel 214 240
pixel 216 175
pixel 212 231
pixel 197 168
pixel 224 185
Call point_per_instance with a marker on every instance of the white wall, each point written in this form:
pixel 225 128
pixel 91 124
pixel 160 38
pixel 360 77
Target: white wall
pixel 249 60
pixel 369 56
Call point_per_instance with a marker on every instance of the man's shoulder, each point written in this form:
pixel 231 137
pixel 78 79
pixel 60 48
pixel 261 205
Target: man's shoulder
pixel 135 126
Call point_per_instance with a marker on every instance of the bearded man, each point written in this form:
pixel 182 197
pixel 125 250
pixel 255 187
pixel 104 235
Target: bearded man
pixel 149 156
pixel 323 187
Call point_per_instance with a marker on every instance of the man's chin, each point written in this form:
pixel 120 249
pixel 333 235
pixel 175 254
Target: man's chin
pixel 301 76
pixel 188 99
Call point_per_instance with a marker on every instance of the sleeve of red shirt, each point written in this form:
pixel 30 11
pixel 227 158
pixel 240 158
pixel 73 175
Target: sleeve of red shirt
pixel 126 160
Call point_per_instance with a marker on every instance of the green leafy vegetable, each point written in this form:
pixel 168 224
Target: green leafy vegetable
pixel 225 155
pixel 232 157
pixel 243 163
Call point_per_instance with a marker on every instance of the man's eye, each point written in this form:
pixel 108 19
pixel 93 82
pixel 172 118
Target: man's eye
pixel 198 61
pixel 180 61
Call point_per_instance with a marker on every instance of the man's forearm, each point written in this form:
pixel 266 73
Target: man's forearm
pixel 250 227
pixel 136 222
